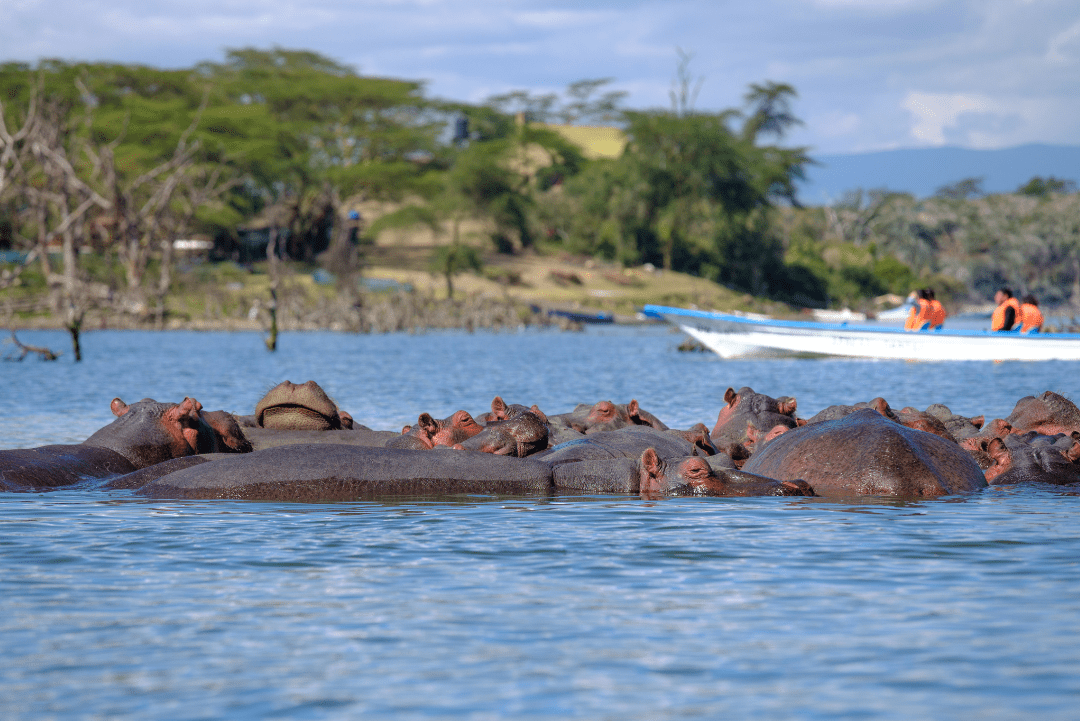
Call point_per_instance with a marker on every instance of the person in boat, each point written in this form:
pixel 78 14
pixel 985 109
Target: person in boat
pixel 937 311
pixel 919 317
pixel 1031 318
pixel 1007 314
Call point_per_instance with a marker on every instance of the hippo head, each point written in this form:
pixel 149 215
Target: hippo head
pixel 520 435
pixel 745 409
pixel 923 421
pixel 448 431
pixel 604 416
pixel 659 477
pixel 303 407
pixel 149 432
pixel 227 433
pixel 1048 413
pixel 1015 459
pixel 694 476
pixel 501 411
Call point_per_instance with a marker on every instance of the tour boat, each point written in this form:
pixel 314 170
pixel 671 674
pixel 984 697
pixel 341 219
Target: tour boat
pixel 749 336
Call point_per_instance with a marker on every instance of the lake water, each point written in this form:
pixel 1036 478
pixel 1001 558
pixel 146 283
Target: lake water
pixel 482 608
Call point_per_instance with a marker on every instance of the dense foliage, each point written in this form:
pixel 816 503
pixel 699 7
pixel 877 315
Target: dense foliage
pixel 285 140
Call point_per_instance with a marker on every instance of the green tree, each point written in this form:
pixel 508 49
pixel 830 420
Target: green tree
pixel 1042 187
pixel 449 260
pixel 961 189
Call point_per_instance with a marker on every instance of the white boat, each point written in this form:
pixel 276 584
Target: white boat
pixel 734 336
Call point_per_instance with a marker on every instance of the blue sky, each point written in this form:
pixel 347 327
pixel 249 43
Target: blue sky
pixel 871 74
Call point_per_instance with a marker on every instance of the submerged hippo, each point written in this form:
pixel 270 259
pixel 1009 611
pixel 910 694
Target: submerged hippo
pixel 1033 458
pixel 144 434
pixel 429 432
pixel 864 453
pixel 749 417
pixel 1048 413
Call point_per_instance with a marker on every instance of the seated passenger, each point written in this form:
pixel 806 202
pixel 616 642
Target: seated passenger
pixel 919 317
pixel 1007 313
pixel 1031 318
pixel 937 311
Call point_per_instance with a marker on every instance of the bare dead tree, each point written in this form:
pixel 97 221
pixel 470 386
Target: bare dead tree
pixel 62 199
pixel 25 350
pixel 143 206
pixel 200 187
pixel 275 280
pixel 14 147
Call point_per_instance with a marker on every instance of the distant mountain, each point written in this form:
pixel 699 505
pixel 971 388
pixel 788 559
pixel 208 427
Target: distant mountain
pixel 922 171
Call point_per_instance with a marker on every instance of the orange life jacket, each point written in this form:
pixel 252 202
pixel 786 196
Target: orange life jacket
pixel 1031 317
pixel 997 322
pixel 919 315
pixel 937 313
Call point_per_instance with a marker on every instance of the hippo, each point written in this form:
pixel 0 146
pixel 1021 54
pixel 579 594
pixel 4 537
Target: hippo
pixel 698 435
pixel 749 416
pixel 628 442
pixel 607 416
pixel 960 427
pixel 339 472
pixel 501 411
pixel 834 413
pixel 622 461
pixel 294 407
pixel 428 432
pixel 1048 414
pixel 651 476
pixel 521 434
pixel 262 438
pixel 923 421
pixel 144 434
pixel 696 477
pixel 865 453
pixel 1033 458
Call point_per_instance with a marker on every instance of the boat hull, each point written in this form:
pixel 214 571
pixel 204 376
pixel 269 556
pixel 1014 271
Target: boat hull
pixel 731 336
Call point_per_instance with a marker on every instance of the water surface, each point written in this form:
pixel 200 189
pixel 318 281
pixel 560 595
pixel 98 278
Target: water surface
pixel 479 607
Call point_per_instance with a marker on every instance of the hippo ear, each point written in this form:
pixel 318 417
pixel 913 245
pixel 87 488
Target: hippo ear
pixel 405 429
pixel 651 471
pixel 498 408
pixel 632 408
pixel 119 408
pixel 787 406
pixel 999 452
pixel 535 410
pixel 881 406
pixel 346 420
pixel 730 396
pixel 1073 454
pixel 799 422
pixel 978 421
pixel 427 423
pixel 185 413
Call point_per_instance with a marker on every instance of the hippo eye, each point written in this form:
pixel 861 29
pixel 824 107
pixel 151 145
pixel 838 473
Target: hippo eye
pixel 696 469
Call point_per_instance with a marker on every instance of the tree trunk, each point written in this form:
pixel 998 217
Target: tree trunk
pixel 73 306
pixel 272 262
pixel 164 281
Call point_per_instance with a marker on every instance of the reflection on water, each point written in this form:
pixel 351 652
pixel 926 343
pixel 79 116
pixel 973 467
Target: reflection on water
pixel 520 607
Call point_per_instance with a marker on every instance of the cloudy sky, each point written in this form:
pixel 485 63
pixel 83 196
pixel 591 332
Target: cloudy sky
pixel 871 74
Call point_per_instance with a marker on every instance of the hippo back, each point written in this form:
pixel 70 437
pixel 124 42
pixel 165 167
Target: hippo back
pixel 865 453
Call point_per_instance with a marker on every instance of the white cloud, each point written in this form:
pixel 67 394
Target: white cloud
pixel 1064 48
pixel 934 112
pixel 965 72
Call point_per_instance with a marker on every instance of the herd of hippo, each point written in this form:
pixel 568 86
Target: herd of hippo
pixel 299 446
